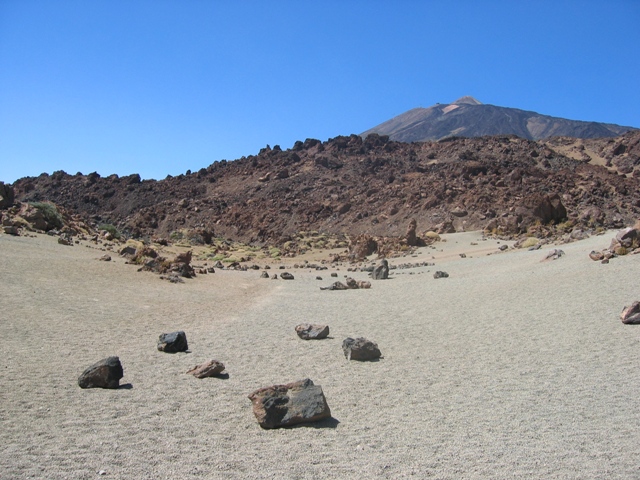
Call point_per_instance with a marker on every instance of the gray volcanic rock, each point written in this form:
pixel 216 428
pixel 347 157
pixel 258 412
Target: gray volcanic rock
pixel 103 374
pixel 290 404
pixel 308 331
pixel 173 342
pixel 381 272
pixel 360 349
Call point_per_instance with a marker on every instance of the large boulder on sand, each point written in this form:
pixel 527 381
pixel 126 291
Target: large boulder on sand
pixel 173 342
pixel 104 374
pixel 360 349
pixel 381 272
pixel 290 404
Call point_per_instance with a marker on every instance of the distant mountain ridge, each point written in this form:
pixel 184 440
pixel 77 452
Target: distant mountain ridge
pixel 467 117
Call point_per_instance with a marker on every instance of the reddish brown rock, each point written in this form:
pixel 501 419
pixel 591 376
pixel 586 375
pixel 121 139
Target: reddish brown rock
pixel 631 315
pixel 308 331
pixel 290 404
pixel 104 374
pixel 211 368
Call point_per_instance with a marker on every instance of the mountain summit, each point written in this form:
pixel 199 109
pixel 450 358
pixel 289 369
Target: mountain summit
pixel 468 117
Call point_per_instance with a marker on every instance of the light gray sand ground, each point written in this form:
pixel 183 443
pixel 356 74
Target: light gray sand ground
pixel 509 368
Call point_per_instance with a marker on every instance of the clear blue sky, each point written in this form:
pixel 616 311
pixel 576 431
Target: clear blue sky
pixel 158 87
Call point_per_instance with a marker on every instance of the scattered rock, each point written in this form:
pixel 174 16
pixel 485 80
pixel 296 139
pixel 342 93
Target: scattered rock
pixel 11 230
pixel 104 374
pixel 381 272
pixel 335 286
pixel 286 276
pixel 360 349
pixel 596 256
pixel 410 236
pixel 631 315
pixel 211 368
pixel 65 241
pixel 308 331
pixel 105 258
pixel 553 255
pixel 440 274
pixel 173 342
pixel 290 404
pixel 264 275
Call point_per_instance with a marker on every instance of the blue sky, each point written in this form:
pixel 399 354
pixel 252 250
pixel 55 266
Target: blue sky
pixel 160 87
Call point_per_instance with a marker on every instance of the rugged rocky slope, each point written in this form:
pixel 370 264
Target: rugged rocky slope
pixel 373 186
pixel 467 117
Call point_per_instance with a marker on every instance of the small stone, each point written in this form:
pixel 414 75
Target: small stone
pixel 360 349
pixel 173 342
pixel 553 255
pixel 207 369
pixel 440 274
pixel 264 275
pixel 308 331
pixel 286 276
pixel 105 258
pixel 631 315
pixel 596 256
pixel 104 374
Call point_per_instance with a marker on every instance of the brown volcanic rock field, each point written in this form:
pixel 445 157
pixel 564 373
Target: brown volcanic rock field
pixel 374 186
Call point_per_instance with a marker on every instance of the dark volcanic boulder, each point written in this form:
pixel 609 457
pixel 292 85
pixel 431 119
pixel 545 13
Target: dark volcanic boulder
pixel 286 276
pixel 381 272
pixel 290 404
pixel 410 236
pixel 7 195
pixel 360 349
pixel 173 342
pixel 631 315
pixel 308 331
pixel 211 368
pixel 104 374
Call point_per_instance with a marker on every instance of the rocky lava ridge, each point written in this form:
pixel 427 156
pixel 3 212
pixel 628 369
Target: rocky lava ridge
pixel 372 186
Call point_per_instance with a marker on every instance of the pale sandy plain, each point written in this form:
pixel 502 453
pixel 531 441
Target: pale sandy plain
pixel 509 368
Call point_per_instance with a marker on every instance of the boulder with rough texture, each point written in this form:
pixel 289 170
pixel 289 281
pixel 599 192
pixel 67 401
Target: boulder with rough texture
pixel 627 237
pixel 381 272
pixel 173 342
pixel 104 374
pixel 207 369
pixel 286 276
pixel 440 274
pixel 290 404
pixel 360 349
pixel 631 315
pixel 308 331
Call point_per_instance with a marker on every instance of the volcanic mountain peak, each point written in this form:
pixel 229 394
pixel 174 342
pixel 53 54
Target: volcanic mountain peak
pixel 467 117
pixel 468 100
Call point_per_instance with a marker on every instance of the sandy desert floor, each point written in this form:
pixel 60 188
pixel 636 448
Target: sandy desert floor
pixel 509 368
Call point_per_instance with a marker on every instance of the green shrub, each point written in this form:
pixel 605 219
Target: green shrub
pixel 107 227
pixel 50 213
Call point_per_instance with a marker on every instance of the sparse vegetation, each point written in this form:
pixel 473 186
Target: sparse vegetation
pixel 107 227
pixel 50 213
